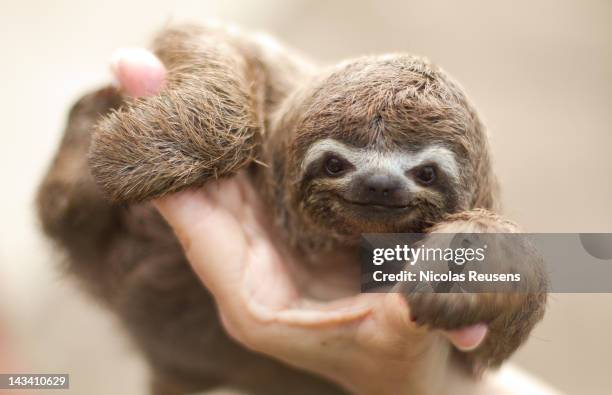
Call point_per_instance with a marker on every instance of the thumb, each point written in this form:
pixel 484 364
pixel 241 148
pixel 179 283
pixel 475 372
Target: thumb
pixel 468 338
pixel 138 71
pixel 212 238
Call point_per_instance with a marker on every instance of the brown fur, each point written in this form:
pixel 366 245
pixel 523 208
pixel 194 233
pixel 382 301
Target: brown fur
pixel 510 316
pixel 232 103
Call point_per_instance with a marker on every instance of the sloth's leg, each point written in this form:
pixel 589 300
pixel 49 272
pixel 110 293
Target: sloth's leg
pixel 204 124
pixel 510 316
pixel 71 208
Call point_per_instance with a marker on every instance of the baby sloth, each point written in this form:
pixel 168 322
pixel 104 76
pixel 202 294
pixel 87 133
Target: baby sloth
pixel 375 144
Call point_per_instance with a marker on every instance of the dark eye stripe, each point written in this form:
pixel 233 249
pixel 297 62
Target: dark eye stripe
pixel 426 175
pixel 335 166
pixel 318 167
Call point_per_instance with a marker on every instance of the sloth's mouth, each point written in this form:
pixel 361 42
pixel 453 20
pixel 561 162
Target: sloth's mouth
pixel 375 207
pixel 375 214
pixel 366 217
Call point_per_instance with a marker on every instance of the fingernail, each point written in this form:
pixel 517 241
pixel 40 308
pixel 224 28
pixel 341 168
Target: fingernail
pixel 116 57
pixel 137 71
pixel 469 338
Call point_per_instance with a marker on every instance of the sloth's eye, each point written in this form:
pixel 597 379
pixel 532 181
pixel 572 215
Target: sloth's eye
pixel 426 175
pixel 334 166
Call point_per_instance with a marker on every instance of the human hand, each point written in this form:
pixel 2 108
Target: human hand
pixel 366 342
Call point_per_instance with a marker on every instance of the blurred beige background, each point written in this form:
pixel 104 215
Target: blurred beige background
pixel 539 71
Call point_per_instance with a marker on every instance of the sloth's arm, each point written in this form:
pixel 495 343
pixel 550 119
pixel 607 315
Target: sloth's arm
pixel 70 206
pixel 510 316
pixel 206 122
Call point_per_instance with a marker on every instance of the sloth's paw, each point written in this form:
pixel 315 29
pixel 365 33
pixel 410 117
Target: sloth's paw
pixel 162 144
pixel 509 318
pixel 510 310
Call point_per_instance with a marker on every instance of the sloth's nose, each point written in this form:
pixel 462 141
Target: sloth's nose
pixel 384 190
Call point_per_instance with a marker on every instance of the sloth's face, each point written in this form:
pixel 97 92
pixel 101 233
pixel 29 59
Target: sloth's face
pixel 381 144
pixel 352 190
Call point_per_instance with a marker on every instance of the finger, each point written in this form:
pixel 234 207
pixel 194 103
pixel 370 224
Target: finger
pixel 212 238
pixel 468 338
pixel 138 71
pixel 216 246
pixel 217 230
pixel 397 321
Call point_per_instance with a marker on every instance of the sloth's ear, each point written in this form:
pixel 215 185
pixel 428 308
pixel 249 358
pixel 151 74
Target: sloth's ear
pixel 178 139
